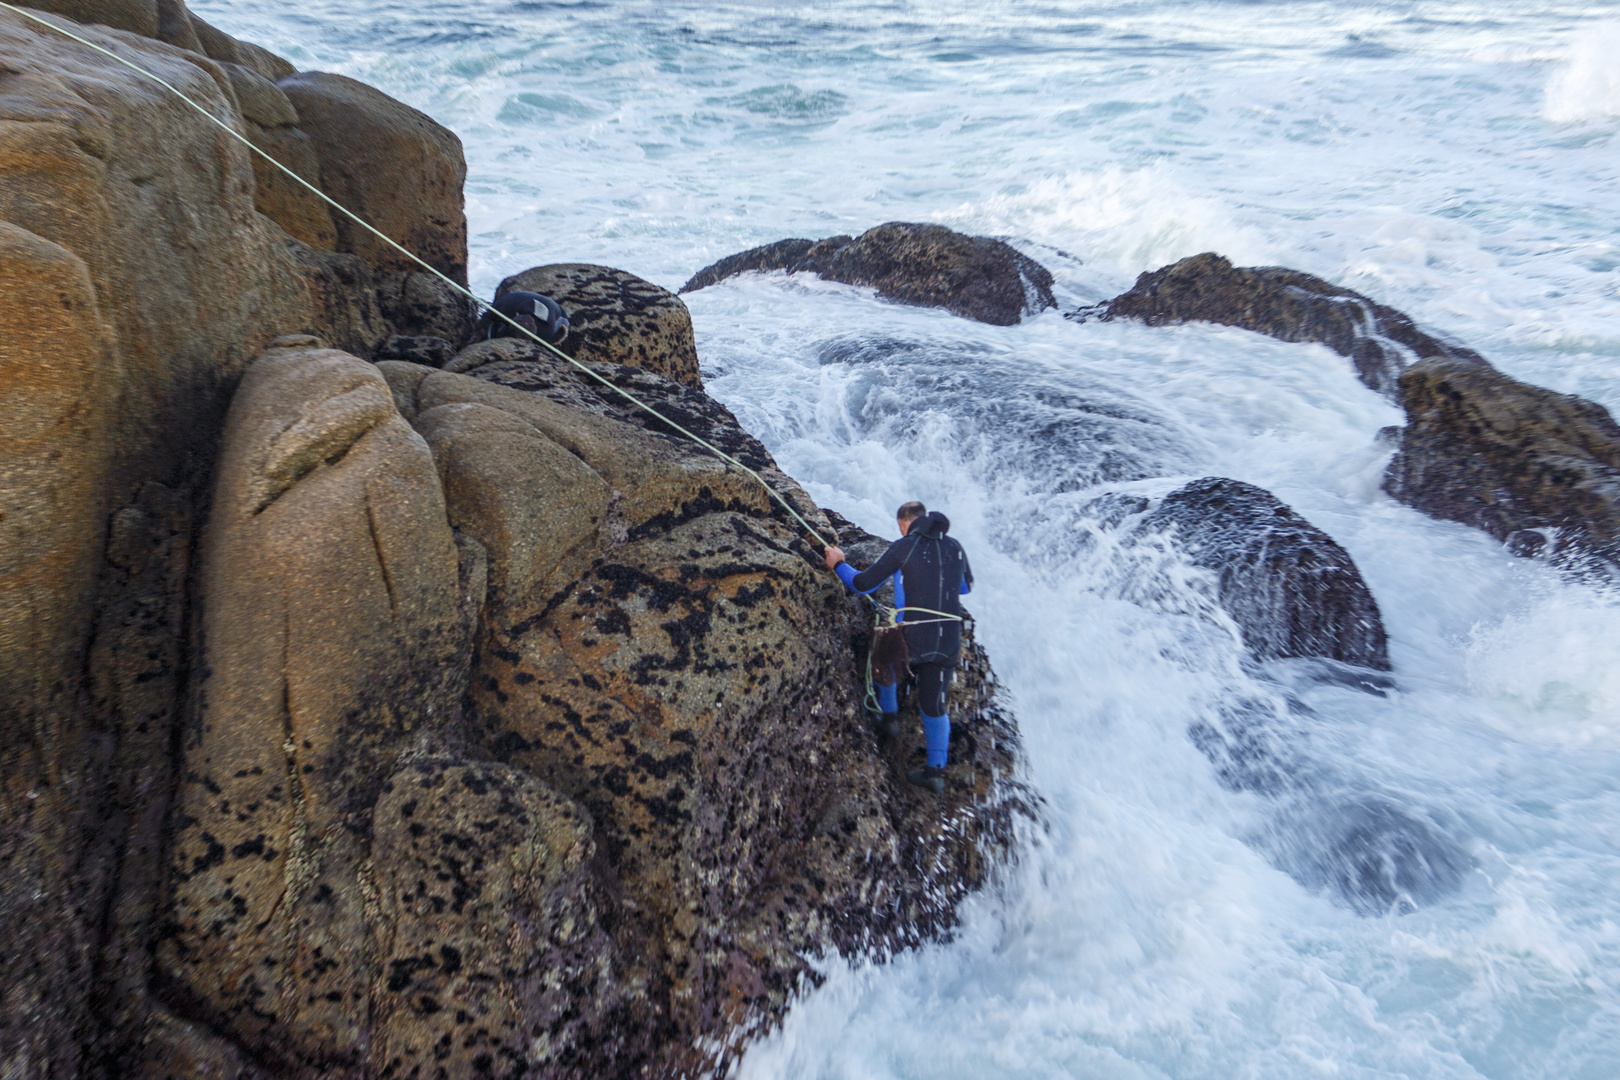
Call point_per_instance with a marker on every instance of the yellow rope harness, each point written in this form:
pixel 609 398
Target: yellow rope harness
pixel 239 137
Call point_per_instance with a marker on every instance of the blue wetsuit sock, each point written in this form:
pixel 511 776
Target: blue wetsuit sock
pixel 937 734
pixel 888 700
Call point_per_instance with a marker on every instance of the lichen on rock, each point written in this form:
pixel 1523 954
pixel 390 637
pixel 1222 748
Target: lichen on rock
pixel 617 318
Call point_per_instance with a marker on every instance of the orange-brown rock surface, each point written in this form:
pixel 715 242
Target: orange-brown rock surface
pixel 140 282
pixel 401 721
pixel 390 164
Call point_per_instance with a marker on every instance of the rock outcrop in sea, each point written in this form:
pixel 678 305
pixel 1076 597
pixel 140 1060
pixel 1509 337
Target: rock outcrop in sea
pixel 924 265
pixel 1536 469
pixel 1291 589
pixel 1284 304
pixel 396 718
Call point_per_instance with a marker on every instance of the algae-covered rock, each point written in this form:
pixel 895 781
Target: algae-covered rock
pixel 1537 469
pixel 617 318
pixel 925 265
pixel 662 645
pixel 1285 304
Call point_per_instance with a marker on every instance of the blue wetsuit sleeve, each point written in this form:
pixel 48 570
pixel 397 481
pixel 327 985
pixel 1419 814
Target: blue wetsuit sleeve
pixel 846 574
pixel 870 579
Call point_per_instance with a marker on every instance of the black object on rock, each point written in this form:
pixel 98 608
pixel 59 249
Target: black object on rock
pixel 539 315
pixel 930 777
pixel 908 263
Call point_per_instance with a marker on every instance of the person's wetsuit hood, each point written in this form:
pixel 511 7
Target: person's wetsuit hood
pixel 932 525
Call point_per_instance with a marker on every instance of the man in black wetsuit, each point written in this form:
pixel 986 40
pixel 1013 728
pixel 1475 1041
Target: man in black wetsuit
pixel 930 572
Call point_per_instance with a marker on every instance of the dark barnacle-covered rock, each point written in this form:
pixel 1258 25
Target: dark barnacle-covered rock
pixel 1284 304
pixel 924 265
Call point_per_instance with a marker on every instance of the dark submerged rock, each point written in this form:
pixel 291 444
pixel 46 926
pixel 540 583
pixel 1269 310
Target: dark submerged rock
pixel 1530 466
pixel 1290 588
pixel 1379 857
pixel 1284 304
pixel 923 265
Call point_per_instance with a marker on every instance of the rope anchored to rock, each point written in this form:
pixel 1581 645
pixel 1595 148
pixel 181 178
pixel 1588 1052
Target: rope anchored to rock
pixel 488 307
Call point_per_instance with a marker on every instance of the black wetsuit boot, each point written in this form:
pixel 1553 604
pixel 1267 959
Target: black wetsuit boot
pixel 931 777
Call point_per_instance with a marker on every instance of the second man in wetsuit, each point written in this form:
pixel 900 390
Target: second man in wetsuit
pixel 930 572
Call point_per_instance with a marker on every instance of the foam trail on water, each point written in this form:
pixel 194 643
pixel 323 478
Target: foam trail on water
pixel 1587 85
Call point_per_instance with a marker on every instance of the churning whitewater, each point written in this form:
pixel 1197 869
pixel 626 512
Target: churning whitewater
pixel 1457 161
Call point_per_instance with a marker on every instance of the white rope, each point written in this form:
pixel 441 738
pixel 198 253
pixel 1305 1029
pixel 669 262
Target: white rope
pixel 239 137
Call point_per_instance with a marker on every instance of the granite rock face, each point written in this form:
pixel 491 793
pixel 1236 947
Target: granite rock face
pixel 400 721
pixel 1292 590
pixel 272 125
pixel 1534 468
pixel 392 165
pixel 660 645
pixel 334 639
pixel 360 311
pixel 617 318
pixel 1284 304
pixel 908 263
pixel 140 282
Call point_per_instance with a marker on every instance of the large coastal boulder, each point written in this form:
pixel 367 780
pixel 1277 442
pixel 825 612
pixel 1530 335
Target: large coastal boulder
pixel 617 318
pixel 140 282
pixel 663 646
pixel 924 265
pixel 1292 590
pixel 1534 468
pixel 393 166
pixel 1284 304
pixel 334 638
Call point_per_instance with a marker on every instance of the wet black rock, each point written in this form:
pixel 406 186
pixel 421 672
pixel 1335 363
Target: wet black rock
pixel 1532 467
pixel 924 265
pixel 1292 590
pixel 1284 304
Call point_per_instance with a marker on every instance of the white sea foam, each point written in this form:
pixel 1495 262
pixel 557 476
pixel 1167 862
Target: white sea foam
pixel 1587 85
pixel 1158 924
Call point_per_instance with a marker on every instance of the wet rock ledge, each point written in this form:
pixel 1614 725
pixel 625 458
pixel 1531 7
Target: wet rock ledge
pixel 399 718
